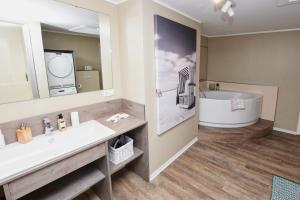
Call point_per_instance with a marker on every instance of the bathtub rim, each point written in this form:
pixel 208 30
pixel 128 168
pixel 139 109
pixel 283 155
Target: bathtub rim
pixel 255 95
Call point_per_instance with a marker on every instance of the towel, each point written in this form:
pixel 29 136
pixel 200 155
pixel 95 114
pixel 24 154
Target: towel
pixel 237 104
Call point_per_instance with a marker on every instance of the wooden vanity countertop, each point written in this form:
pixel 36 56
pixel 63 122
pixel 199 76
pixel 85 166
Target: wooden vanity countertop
pixel 122 126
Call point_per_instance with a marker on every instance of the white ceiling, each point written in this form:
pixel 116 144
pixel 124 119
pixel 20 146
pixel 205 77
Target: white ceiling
pixel 250 16
pixel 53 15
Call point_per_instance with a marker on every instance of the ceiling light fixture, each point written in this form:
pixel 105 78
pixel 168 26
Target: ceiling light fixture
pixel 226 6
pixel 217 1
pixel 230 12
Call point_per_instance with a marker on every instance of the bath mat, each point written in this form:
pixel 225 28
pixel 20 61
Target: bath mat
pixel 284 189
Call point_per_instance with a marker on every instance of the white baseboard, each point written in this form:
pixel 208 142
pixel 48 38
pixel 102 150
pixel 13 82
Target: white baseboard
pixel 286 131
pixel 172 159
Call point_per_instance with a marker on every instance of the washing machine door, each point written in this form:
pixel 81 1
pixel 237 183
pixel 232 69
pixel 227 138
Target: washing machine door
pixel 60 69
pixel 60 66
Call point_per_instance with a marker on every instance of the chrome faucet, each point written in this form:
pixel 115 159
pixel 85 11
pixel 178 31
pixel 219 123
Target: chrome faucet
pixel 48 128
pixel 202 92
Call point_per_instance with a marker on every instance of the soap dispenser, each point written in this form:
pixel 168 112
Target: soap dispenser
pixel 61 123
pixel 2 140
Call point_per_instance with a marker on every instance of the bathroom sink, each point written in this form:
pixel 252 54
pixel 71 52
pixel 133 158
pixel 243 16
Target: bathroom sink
pixel 17 158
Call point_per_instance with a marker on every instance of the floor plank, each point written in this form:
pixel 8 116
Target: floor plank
pixel 219 171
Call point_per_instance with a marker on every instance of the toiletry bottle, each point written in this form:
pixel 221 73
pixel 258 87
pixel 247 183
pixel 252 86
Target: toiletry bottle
pixel 61 123
pixel 217 87
pixel 23 135
pixel 2 140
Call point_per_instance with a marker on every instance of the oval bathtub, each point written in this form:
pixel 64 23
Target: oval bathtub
pixel 216 109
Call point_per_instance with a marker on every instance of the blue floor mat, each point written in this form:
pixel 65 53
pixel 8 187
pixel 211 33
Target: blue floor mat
pixel 284 189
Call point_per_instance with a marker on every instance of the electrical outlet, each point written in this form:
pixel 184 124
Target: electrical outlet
pixel 107 93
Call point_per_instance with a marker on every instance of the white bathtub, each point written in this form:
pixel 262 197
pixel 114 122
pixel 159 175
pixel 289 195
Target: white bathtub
pixel 216 111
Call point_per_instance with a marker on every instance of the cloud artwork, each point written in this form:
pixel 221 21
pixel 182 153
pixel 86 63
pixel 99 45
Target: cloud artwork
pixel 175 55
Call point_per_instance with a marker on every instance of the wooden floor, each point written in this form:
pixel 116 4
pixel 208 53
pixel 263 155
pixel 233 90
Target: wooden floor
pixel 219 171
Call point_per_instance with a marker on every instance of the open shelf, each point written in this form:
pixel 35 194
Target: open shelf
pixel 136 153
pixel 69 186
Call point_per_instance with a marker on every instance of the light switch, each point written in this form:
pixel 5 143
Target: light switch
pixel 107 93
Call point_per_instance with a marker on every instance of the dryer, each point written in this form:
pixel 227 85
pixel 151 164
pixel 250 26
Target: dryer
pixel 60 72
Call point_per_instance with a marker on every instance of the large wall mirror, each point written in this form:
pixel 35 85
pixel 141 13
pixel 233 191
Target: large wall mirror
pixel 49 48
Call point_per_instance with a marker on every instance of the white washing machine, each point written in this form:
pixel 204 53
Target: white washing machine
pixel 60 72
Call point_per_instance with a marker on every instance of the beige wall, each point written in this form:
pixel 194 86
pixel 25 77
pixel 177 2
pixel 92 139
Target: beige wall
pixel 261 59
pixel 203 58
pixel 86 49
pixel 36 107
pixel 132 58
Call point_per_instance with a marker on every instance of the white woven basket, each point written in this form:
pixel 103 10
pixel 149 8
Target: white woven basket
pixel 122 153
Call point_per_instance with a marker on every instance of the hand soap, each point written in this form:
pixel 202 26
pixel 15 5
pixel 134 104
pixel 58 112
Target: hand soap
pixel 24 134
pixel 2 141
pixel 61 123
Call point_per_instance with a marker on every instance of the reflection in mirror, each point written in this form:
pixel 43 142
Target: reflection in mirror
pixel 72 52
pixel 17 80
pixel 61 49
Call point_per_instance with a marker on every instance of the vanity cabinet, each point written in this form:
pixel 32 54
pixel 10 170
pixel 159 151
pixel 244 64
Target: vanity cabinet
pixel 26 184
pixel 90 168
pixel 64 179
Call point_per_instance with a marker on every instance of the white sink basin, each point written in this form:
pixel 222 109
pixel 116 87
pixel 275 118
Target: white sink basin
pixel 17 158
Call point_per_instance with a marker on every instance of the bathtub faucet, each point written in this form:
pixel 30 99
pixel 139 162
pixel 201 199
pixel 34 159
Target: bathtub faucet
pixel 203 93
